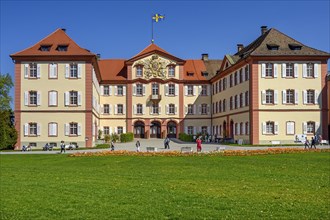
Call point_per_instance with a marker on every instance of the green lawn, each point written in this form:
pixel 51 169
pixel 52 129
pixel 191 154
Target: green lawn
pixel 286 186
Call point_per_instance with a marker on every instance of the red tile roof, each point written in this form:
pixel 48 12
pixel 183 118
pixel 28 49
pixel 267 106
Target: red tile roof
pixel 58 37
pixel 196 67
pixel 113 69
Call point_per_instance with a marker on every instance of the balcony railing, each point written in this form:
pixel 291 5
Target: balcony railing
pixel 155 97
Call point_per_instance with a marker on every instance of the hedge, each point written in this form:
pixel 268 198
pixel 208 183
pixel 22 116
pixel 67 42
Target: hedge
pixel 186 137
pixel 127 137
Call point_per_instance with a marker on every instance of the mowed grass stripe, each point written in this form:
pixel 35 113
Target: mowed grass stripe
pixel 286 186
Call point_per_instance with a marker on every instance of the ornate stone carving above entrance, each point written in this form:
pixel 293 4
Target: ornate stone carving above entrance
pixel 155 67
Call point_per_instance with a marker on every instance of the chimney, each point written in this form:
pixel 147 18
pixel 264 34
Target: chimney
pixel 64 29
pixel 239 47
pixel 263 29
pixel 205 56
pixel 98 56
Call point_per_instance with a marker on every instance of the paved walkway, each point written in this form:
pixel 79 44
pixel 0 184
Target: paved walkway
pixel 159 144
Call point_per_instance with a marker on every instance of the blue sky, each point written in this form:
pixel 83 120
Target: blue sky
pixel 121 29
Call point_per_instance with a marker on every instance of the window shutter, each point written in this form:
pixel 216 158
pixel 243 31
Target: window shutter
pixel 208 109
pixel 110 90
pixel 166 89
pixel 275 97
pixel 110 109
pixel 116 130
pixel 79 129
pixel 38 98
pixel 238 129
pixel 263 127
pixel 134 90
pixel 199 109
pixel 38 129
pixel 199 90
pixel 243 100
pixel 79 70
pixel 263 97
pixel 79 98
pixel 67 70
pixel 26 70
pixel 275 70
pixel 305 96
pixel 166 109
pixel 296 70
pixel 316 95
pixel 243 76
pixel 283 70
pixel 238 77
pixel 38 70
pixel 143 109
pixel 208 130
pixel 116 109
pixel 110 130
pixel 116 90
pixel 51 71
pixel 186 90
pixel 317 128
pixel 305 127
pixel 243 129
pixel 176 89
pixel 26 98
pixel 304 70
pixel 124 90
pixel 50 98
pixel 284 96
pixel 66 129
pixel 208 90
pixel 134 109
pixel 263 70
pixel 296 100
pixel 186 109
pixel 316 72
pixel 102 110
pixel 124 109
pixel 195 90
pixel 124 130
pixel 186 130
pixel 102 90
pixel 150 110
pixel 159 109
pixel 194 109
pixel 66 98
pixel 195 130
pixel 144 90
pixel 175 109
pixel 26 129
pixel 276 128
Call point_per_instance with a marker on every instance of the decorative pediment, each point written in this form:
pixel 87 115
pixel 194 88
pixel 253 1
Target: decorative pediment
pixel 154 66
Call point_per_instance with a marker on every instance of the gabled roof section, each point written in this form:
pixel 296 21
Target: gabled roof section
pixel 261 46
pixel 57 43
pixel 151 49
pixel 192 70
pixel 112 70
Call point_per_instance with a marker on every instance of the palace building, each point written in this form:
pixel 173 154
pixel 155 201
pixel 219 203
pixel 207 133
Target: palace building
pixel 272 89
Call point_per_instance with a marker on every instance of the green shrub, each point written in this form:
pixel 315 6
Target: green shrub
pixel 114 137
pixel 102 146
pixel 127 137
pixel 107 138
pixel 186 137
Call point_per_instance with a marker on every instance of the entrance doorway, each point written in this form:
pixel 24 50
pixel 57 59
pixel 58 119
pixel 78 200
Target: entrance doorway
pixel 171 129
pixel 139 129
pixel 155 129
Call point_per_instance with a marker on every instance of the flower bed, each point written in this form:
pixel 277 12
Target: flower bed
pixel 213 153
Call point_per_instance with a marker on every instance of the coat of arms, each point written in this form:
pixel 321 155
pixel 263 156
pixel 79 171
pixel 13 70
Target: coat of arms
pixel 154 67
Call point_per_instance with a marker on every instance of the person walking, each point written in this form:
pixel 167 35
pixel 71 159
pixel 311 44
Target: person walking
pixel 165 143
pixel 313 143
pixel 168 143
pixel 306 144
pixel 112 146
pixel 62 147
pixel 199 144
pixel 137 145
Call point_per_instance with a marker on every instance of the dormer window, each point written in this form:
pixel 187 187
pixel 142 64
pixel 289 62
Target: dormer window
pixel 204 73
pixel 190 74
pixel 273 46
pixel 45 47
pixel 295 46
pixel 62 48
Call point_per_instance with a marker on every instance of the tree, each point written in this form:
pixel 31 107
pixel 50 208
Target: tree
pixel 8 133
